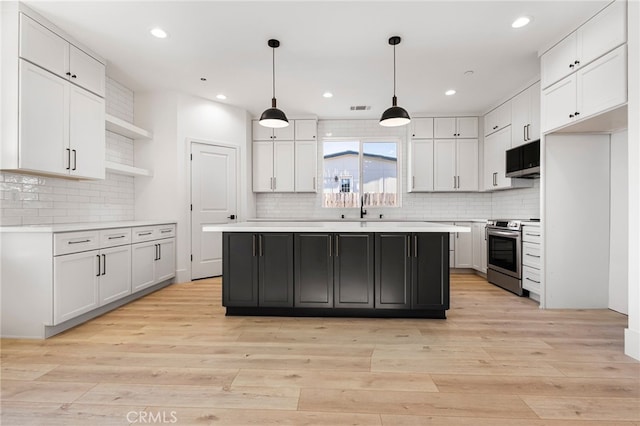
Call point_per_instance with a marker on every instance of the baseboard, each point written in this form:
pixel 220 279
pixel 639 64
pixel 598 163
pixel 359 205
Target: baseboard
pixel 632 343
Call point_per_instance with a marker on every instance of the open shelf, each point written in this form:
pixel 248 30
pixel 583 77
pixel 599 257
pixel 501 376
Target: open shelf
pixel 123 169
pixel 121 127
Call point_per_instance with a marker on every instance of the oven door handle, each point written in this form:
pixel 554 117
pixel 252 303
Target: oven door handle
pixel 513 234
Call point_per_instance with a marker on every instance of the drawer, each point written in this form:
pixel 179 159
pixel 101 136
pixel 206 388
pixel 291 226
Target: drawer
pixel 166 231
pixel 155 232
pixel 531 279
pixel 144 233
pixel 115 237
pixel 531 234
pixel 531 255
pixel 75 242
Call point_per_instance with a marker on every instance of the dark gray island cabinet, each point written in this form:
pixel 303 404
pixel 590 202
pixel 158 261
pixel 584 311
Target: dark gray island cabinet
pixel 369 274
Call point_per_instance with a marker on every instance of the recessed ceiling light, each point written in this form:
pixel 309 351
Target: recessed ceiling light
pixel 450 92
pixel 221 97
pixel 158 32
pixel 327 95
pixel 521 22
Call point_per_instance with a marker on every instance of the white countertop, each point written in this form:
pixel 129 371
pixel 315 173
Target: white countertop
pixel 88 226
pixel 337 226
pixel 371 219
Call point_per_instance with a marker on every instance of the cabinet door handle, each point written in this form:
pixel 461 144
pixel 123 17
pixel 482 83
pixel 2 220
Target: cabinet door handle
pixel 142 234
pixel 571 115
pixel 275 183
pixel 253 245
pixel 337 245
pixel 408 245
pixel 260 246
pixel 115 238
pixel 68 159
pixel 68 73
pixel 159 251
pixel 314 183
pixel 533 281
pixel 454 182
pixel 330 246
pixel 104 264
pixel 577 62
pixel 532 255
pixel 73 76
pixel 98 256
pixel 533 235
pixel 75 158
pixel 577 113
pixel 415 246
pixel 571 65
pixel 164 231
pixel 413 182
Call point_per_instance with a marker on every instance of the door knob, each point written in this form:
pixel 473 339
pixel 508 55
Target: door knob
pixel 232 217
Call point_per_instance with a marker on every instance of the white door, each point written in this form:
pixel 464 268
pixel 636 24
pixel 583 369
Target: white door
pixel 166 263
pixel 463 248
pixel 213 199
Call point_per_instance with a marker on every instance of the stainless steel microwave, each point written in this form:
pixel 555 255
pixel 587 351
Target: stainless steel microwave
pixel 524 161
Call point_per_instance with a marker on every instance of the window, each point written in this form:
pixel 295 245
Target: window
pixel 358 171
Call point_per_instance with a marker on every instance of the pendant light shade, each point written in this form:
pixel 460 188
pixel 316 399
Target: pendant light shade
pixel 395 115
pixel 274 117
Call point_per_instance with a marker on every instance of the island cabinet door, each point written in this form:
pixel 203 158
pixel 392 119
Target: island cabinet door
pixel 313 271
pixel 353 270
pixel 393 271
pixel 430 271
pixel 275 270
pixel 240 269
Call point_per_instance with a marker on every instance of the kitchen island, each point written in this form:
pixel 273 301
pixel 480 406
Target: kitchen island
pixel 342 268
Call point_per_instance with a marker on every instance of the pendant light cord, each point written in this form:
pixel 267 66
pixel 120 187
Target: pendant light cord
pixel 394 70
pixel 273 70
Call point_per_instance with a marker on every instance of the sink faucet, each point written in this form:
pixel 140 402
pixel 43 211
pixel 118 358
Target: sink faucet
pixel 362 210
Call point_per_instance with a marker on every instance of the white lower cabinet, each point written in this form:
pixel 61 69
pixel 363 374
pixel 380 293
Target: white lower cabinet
pixel 115 277
pixel 152 262
pixel 479 242
pixel 72 276
pixel 531 259
pixel 75 285
pixel 463 247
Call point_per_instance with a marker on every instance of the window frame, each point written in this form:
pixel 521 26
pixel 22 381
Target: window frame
pixel 361 141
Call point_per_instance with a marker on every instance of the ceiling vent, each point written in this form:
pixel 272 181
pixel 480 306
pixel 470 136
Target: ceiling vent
pixel 360 108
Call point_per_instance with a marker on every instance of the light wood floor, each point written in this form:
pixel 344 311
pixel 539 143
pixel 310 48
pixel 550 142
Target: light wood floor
pixel 174 357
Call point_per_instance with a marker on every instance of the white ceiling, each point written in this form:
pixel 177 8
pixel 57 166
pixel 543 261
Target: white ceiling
pixel 335 46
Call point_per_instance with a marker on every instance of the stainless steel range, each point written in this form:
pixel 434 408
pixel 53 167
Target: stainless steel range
pixel 504 253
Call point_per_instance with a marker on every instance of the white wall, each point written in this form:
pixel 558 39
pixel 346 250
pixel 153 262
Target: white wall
pixel 632 333
pixel 576 220
pixel 619 229
pixel 176 120
pixel 511 204
pixel 33 200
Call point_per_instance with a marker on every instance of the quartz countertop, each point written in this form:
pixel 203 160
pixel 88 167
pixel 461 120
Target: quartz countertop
pixel 88 226
pixel 335 226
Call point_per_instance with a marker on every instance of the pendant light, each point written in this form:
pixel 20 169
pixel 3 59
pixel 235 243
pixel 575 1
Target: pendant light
pixel 394 116
pixel 273 117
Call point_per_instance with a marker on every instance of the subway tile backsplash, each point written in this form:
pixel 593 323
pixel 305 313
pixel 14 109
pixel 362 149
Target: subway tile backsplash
pixel 514 203
pixel 39 200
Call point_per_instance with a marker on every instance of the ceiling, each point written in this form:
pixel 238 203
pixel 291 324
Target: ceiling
pixel 336 46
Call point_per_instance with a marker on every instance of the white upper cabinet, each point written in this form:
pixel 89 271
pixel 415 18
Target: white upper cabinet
pixel 595 88
pixel 48 50
pixel 305 130
pixel 86 134
pixel 283 166
pixel 421 174
pixel 455 166
pixel 306 166
pixel 599 35
pixel 261 133
pixel 262 166
pixel 498 118
pixel 494 176
pixel 525 116
pixel 455 127
pixel 422 128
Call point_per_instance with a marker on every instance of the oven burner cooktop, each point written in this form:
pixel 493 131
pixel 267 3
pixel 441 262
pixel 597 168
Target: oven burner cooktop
pixel 515 225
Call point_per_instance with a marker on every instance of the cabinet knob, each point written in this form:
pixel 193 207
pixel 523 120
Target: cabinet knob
pixel 495 127
pixel 413 135
pixel 577 62
pixel 571 116
pixel 577 113
pixel 571 65
pixel 73 76
pixel 68 73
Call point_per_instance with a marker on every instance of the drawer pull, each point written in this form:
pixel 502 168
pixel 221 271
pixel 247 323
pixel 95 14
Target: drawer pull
pixel 533 235
pixel 145 233
pixel 533 281
pixel 78 242
pixel 115 238
pixel 531 255
pixel 164 231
